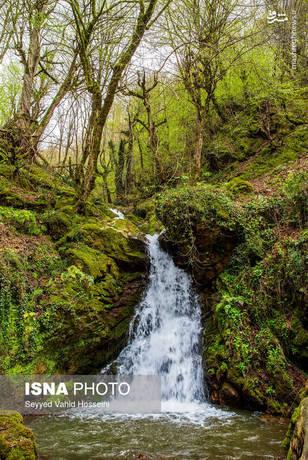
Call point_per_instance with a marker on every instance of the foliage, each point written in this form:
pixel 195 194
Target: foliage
pixel 16 440
pixel 257 320
pixel 23 220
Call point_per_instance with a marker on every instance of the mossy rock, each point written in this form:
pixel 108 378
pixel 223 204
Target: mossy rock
pixel 200 221
pixel 46 179
pixel 10 195
pixel 297 436
pixel 127 251
pixel 92 261
pixel 146 211
pixel 58 222
pixel 143 208
pixel 238 185
pixel 16 440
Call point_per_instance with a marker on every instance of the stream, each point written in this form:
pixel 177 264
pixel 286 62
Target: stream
pixel 164 340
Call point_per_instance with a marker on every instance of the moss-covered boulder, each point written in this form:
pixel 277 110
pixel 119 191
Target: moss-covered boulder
pixel 145 210
pixel 201 224
pixel 126 248
pixel 68 309
pixel 297 436
pixel 16 440
pixel 238 185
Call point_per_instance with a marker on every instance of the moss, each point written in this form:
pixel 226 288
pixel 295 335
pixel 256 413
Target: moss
pixel 181 209
pixel 267 162
pixel 238 185
pixel 12 195
pixel 94 262
pixel 43 178
pixel 58 222
pixel 271 158
pixel 296 436
pixel 16 440
pixel 112 241
pixel 145 210
pixel 23 220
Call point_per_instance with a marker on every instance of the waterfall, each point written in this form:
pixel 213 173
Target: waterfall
pixel 117 213
pixel 165 333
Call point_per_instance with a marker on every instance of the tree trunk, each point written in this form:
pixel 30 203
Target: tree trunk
pixel 141 155
pixel 129 157
pixel 91 151
pixel 119 171
pixel 105 106
pixel 198 144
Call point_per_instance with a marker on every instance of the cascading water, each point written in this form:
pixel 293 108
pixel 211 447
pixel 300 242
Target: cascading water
pixel 165 333
pixel 164 340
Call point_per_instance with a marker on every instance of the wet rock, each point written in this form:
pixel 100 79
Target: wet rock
pixel 228 394
pixel 200 230
pixel 298 449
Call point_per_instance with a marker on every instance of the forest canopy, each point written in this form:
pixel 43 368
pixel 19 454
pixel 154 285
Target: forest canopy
pixel 137 95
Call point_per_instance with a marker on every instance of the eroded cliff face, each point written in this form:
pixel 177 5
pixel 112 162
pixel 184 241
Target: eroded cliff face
pixel 247 258
pixel 208 257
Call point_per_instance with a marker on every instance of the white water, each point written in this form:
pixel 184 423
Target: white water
pixel 165 334
pixel 118 213
pixel 165 340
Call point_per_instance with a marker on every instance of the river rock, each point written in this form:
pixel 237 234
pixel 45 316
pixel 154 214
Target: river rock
pixel 298 449
pixel 228 394
pixel 16 440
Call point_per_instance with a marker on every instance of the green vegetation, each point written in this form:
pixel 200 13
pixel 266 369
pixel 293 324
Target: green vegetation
pixel 257 321
pixel 60 276
pixel 209 145
pixel 23 220
pixel 16 440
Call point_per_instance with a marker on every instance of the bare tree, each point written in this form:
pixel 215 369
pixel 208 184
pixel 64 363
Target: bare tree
pixel 207 37
pixel 36 32
pixel 107 40
pixel 145 85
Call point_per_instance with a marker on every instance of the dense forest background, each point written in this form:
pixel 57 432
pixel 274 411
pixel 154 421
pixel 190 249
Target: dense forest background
pixel 146 95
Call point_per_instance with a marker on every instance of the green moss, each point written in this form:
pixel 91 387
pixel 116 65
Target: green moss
pixel 42 178
pixel 181 209
pixel 112 241
pixel 272 158
pixel 94 262
pixel 238 185
pixel 58 222
pixel 23 220
pixel 146 212
pixel 294 440
pixel 16 440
